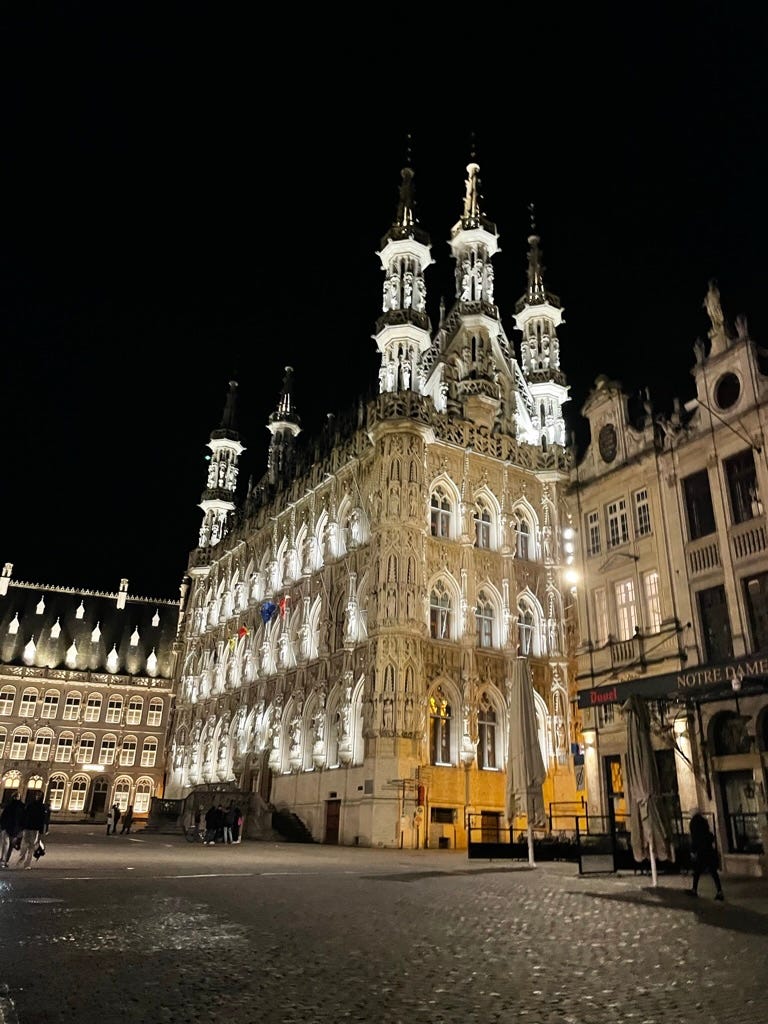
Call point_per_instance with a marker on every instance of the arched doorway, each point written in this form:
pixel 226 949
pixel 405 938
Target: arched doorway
pixel 99 792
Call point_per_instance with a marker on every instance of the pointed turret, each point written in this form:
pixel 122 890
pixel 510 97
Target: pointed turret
pixel 403 329
pixel 538 314
pixel 218 498
pixel 284 426
pixel 474 241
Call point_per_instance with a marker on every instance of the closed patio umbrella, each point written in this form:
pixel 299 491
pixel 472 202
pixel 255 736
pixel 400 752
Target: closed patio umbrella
pixel 525 765
pixel 649 821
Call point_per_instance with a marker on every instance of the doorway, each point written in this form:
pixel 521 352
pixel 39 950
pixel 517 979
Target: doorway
pixel 99 797
pixel 332 818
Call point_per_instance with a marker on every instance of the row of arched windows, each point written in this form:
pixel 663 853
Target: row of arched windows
pixel 48 704
pixel 74 794
pixel 44 744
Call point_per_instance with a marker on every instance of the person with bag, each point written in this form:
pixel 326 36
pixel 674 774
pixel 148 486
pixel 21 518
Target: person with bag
pixel 703 854
pixel 11 824
pixel 34 828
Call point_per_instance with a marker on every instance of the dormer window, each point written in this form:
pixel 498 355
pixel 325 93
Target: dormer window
pixel 40 606
pixel 134 641
pixel 156 619
pixel 13 625
pixel 80 611
pixel 55 630
pixel 96 634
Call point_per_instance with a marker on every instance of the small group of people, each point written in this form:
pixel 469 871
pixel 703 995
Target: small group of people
pixel 221 826
pixel 22 828
pixel 114 816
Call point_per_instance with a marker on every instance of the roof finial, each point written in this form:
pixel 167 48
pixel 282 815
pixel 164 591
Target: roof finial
pixel 532 215
pixel 408 151
pixel 472 148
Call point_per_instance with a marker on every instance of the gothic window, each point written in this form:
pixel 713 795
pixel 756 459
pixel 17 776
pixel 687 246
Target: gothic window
pixel 64 747
pixel 439 728
pixel 441 513
pixel 484 620
pixel 486 732
pixel 440 612
pixel 525 628
pixel 522 532
pixel 92 708
pixel 483 522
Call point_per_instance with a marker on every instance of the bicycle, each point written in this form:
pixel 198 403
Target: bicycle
pixel 194 834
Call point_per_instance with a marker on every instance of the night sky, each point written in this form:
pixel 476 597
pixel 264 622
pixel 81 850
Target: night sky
pixel 189 197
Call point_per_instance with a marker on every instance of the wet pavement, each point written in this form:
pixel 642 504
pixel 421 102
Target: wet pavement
pixel 150 928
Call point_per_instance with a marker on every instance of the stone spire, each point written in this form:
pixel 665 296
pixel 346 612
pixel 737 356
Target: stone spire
pixel 218 498
pixel 284 426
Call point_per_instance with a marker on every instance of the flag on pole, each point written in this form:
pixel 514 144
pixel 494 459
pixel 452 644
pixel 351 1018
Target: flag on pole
pixel 268 609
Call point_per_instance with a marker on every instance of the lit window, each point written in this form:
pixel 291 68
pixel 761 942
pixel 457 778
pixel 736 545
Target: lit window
pixel 42 748
pixel 114 709
pixel 642 513
pixel 86 748
pixel 143 797
pixel 439 729
pixel 3 737
pixel 128 752
pixel 7 696
pixel 155 713
pixel 123 794
pixel 133 714
pixel 652 601
pixel 626 609
pixel 28 704
pixel 486 733
pixel 77 795
pixel 64 747
pixel 50 705
pixel 107 750
pixel 93 708
pixel 56 788
pixel 149 753
pixel 19 745
pixel 593 533
pixel 71 707
pixel 618 524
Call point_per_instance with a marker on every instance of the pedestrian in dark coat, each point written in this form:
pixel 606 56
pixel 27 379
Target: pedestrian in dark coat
pixel 238 824
pixel 11 825
pixel 127 820
pixel 229 824
pixel 211 820
pixel 115 816
pixel 703 854
pixel 35 814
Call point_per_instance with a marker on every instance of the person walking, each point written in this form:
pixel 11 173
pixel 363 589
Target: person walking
pixel 11 825
pixel 238 824
pixel 703 854
pixel 127 820
pixel 115 815
pixel 35 813
pixel 229 823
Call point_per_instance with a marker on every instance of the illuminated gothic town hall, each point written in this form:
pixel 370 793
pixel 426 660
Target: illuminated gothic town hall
pixel 344 647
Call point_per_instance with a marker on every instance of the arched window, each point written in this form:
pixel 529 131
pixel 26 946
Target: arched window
pixel 128 751
pixel 64 747
pixel 55 797
pixel 441 513
pixel 77 793
pixel 34 783
pixel 107 749
pixel 487 754
pixel 93 708
pixel 7 697
pixel 135 709
pixel 439 728
pixel 143 797
pixel 525 626
pixel 86 748
pixel 42 748
pixel 72 707
pixel 155 712
pixel 149 752
pixel 28 703
pixel 114 709
pixel 484 620
pixel 483 523
pixel 440 612
pixel 522 533
pixel 3 737
pixel 50 706
pixel 20 744
pixel 123 793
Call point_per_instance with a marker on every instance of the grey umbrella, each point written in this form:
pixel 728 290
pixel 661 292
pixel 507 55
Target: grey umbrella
pixel 525 765
pixel 649 821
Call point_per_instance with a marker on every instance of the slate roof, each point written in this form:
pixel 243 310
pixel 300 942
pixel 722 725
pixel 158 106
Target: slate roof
pixel 141 627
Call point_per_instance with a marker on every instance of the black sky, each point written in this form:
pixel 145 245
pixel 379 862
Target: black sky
pixel 191 195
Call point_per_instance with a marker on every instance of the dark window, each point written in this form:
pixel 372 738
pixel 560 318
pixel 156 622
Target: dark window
pixel 715 627
pixel 756 600
pixel 742 486
pixel 698 505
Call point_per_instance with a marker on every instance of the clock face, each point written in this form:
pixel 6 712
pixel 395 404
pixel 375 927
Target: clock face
pixel 607 442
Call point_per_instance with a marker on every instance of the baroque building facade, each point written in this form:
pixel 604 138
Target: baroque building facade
pixel 673 600
pixel 85 696
pixel 351 625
